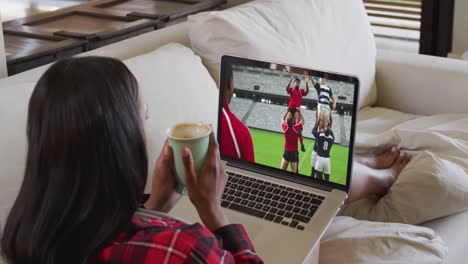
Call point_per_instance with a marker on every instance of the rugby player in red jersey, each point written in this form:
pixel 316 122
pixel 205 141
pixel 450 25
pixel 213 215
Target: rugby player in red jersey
pixel 236 140
pixel 295 101
pixel 291 130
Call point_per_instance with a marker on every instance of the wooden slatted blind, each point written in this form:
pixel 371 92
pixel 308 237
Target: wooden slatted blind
pixel 395 16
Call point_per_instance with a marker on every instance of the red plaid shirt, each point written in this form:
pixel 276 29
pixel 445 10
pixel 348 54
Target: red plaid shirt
pixel 164 240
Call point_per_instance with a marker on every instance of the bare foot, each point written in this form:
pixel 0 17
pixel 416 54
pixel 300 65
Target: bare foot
pixel 400 164
pixel 387 177
pixel 381 161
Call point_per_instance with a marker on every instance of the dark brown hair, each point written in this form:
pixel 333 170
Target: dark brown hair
pixel 86 164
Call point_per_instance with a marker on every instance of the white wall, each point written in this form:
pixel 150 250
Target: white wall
pixel 460 28
pixel 3 68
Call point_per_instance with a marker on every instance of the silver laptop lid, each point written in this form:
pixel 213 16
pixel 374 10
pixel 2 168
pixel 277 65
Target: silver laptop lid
pixel 265 109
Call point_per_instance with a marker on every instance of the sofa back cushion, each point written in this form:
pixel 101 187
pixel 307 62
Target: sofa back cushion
pixel 332 35
pixel 177 88
pixel 14 102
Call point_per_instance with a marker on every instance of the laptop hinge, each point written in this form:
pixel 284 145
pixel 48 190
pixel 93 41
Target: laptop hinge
pixel 280 175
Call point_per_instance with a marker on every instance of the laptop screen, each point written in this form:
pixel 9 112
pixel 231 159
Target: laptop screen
pixel 291 119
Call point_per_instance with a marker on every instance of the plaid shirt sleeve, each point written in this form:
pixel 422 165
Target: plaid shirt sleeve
pixel 229 245
pixel 163 240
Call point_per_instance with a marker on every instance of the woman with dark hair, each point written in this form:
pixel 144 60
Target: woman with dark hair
pixel 85 174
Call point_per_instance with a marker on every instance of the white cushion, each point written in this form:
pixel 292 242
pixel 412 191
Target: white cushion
pixel 348 240
pixel 332 35
pixel 14 102
pixel 177 88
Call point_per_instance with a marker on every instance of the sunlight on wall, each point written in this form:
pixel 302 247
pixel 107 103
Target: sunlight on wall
pixel 21 8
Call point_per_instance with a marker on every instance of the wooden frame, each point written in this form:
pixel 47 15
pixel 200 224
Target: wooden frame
pixel 60 47
pixel 120 25
pixel 3 63
pixel 38 40
pixel 437 27
pixel 192 7
pixel 46 37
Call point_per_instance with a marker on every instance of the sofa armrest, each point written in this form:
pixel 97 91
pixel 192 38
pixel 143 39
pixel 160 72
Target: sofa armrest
pixel 421 84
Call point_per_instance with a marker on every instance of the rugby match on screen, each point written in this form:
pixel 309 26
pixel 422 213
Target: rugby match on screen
pixel 297 122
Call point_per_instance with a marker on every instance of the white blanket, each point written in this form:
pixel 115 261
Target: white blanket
pixel 352 241
pixel 433 185
pixel 441 134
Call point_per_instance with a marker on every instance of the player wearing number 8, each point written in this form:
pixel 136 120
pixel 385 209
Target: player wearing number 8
pixel 325 142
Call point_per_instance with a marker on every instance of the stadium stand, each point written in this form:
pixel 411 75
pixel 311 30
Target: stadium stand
pixel 240 106
pixel 266 114
pixel 269 81
pixel 268 117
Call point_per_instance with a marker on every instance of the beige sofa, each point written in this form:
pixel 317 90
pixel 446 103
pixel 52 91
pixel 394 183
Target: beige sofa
pixel 406 82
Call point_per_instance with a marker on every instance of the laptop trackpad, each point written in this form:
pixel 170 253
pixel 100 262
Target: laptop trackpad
pixel 185 210
pixel 252 225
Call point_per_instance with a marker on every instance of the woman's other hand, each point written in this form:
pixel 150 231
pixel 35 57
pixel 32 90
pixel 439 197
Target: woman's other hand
pixel 163 195
pixel 206 188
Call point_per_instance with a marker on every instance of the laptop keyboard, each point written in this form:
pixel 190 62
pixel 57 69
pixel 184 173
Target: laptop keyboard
pixel 272 202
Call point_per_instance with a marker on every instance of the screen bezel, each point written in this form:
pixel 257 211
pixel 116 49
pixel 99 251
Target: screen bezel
pixel 287 175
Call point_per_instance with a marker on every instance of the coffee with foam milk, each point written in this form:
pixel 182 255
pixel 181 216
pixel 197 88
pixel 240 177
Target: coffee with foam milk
pixel 187 131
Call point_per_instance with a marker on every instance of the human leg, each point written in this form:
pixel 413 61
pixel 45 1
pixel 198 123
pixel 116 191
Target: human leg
pixel 326 169
pixel 313 162
pixel 294 167
pixel 326 119
pixel 284 164
pixel 325 115
pixel 319 168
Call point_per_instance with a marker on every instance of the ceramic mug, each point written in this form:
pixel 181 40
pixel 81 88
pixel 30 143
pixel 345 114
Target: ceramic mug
pixel 194 136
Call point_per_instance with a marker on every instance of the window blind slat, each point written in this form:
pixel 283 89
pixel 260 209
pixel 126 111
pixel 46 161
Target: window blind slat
pixel 397 14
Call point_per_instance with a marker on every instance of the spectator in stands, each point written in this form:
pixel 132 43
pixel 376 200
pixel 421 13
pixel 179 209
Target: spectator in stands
pixel 295 101
pixel 291 130
pixel 326 101
pixel 236 140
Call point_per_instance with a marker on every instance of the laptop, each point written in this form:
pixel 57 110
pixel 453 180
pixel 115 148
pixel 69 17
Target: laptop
pixel 285 195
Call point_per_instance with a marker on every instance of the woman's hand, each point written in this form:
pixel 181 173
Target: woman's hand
pixel 163 196
pixel 206 188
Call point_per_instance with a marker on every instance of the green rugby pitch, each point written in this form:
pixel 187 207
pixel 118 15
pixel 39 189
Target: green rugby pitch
pixel 269 148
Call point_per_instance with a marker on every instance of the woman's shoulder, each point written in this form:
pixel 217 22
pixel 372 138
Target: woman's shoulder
pixel 150 239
